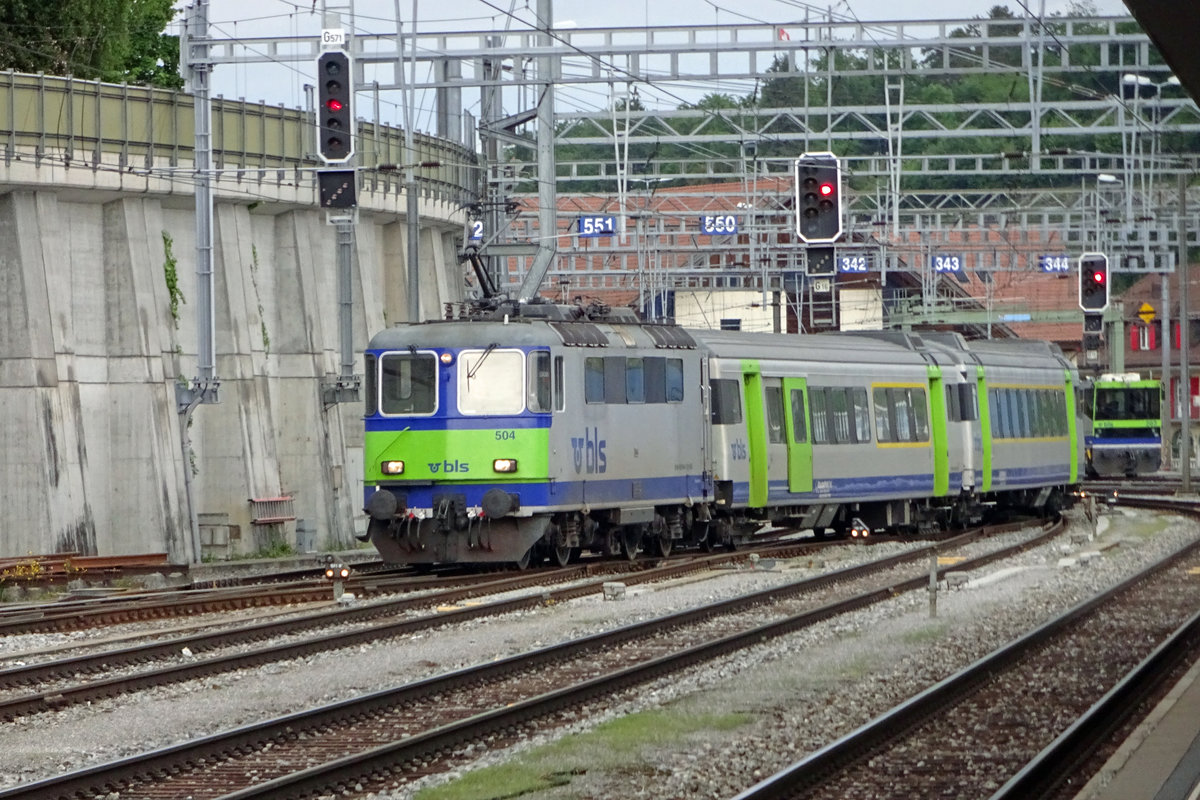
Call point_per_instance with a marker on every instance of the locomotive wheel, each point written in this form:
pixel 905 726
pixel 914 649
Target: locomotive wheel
pixel 631 537
pixel 661 545
pixel 560 555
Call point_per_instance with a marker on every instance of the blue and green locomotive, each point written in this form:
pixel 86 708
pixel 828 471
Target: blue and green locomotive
pixel 521 437
pixel 1126 438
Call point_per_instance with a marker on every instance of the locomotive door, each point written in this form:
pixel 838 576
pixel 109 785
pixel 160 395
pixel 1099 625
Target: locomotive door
pixel 799 445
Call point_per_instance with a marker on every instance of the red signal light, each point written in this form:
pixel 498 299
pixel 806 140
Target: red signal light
pixel 826 189
pixel 334 105
pixel 1098 277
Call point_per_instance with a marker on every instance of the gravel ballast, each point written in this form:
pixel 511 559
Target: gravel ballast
pixel 801 691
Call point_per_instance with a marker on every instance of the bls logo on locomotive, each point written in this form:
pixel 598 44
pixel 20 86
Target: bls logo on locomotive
pixel 449 466
pixel 589 452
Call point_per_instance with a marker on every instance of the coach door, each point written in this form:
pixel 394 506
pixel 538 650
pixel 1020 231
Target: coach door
pixel 799 444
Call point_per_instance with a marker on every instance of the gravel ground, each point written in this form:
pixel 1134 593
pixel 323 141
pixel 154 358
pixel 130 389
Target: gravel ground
pixel 805 690
pixel 802 690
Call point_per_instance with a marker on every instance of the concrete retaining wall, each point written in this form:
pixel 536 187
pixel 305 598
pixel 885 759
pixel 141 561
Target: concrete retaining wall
pixel 91 444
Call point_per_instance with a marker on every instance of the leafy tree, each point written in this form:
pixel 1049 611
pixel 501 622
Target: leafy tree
pixel 109 40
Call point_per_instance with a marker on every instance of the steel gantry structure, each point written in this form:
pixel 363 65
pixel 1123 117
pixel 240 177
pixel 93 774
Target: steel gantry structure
pixel 1088 172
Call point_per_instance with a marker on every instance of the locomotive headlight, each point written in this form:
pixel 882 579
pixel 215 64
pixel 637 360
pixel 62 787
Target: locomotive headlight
pixel 392 467
pixel 446 358
pixel 505 465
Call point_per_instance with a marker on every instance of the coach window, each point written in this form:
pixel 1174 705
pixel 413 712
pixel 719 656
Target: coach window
pixel 968 402
pixel 726 401
pixel 635 380
pixel 838 408
pixel 491 381
pixel 999 413
pixel 820 418
pixel 799 425
pixel 953 409
pixel 862 414
pixel 408 384
pixel 370 400
pixel 883 420
pixel 774 397
pixel 902 404
pixel 593 380
pixel 674 379
pixel 920 406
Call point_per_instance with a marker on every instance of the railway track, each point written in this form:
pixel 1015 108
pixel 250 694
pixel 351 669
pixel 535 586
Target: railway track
pixel 1022 721
pixel 355 740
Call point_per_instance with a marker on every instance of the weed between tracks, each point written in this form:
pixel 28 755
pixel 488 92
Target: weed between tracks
pixel 614 746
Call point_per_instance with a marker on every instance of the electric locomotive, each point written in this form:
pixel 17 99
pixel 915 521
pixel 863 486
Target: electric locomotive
pixel 511 438
pixel 1126 434
pixel 540 431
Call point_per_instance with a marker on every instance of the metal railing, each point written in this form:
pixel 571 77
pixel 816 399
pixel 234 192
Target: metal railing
pixel 68 122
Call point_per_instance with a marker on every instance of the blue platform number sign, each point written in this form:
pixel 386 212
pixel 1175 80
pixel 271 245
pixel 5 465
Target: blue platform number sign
pixel 946 262
pixel 1054 262
pixel 853 263
pixel 718 224
pixel 597 226
pixel 476 230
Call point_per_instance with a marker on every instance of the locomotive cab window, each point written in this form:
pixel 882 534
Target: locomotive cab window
pixel 540 383
pixel 491 381
pixel 371 387
pixel 408 383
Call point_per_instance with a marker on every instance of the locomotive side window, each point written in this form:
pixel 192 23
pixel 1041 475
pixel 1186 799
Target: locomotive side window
pixel 674 380
pixel 593 380
pixel 560 385
pixel 408 383
pixel 370 400
pixel 664 379
pixel 774 398
pixel 656 379
pixel 726 401
pixel 799 427
pixel 635 380
pixel 540 396
pixel 615 388
pixel 491 381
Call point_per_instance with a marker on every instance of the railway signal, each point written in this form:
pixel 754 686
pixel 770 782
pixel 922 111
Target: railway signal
pixel 1093 282
pixel 335 107
pixel 818 182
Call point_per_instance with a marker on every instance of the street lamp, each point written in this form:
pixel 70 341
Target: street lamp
pixel 1136 83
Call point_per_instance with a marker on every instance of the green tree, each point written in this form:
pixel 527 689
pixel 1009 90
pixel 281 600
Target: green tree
pixel 108 40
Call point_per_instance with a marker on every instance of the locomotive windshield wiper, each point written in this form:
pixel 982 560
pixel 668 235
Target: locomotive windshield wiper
pixel 482 358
